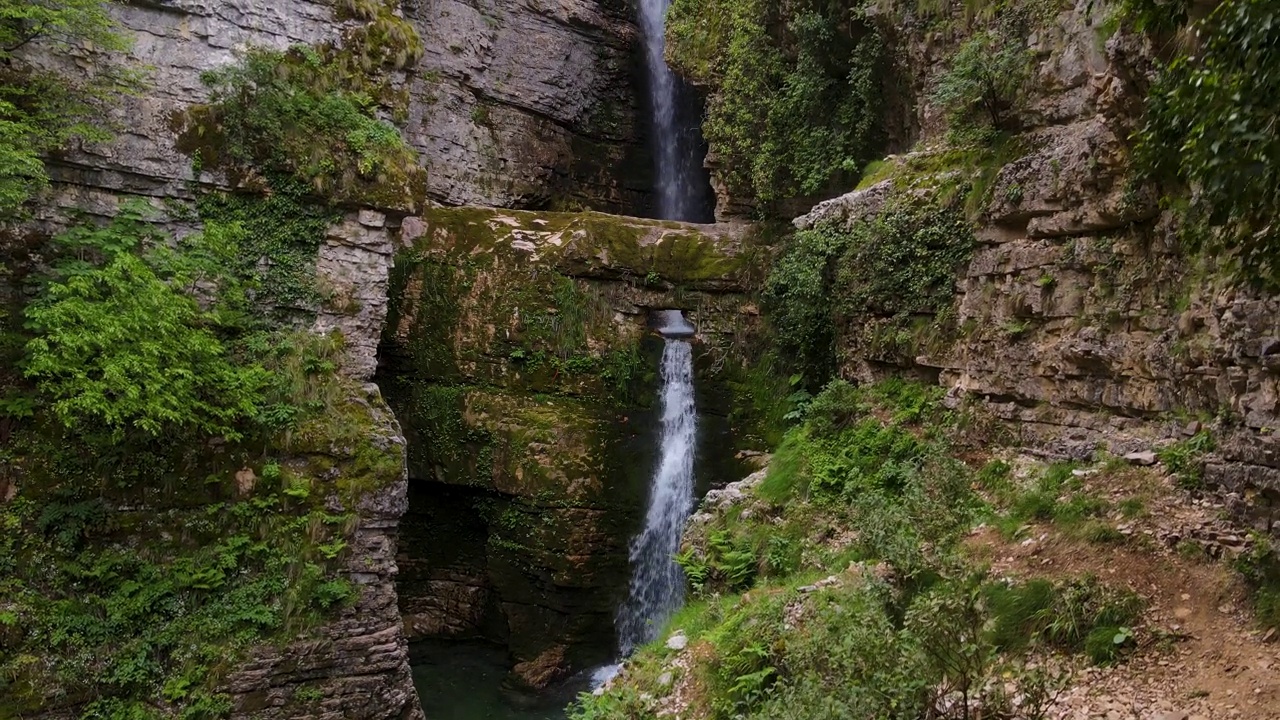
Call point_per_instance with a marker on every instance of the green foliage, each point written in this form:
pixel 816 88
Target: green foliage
pixel 1210 127
pixel 1185 459
pixel 984 83
pixel 1261 570
pixel 904 262
pixel 152 384
pixel 299 112
pixel 850 661
pixel 131 627
pixel 765 400
pixel 892 269
pixel 744 670
pixel 1155 16
pixel 796 97
pixel 859 602
pixel 122 347
pixel 797 299
pixel 729 563
pixel 843 466
pixel 1105 644
pixel 43 110
pixel 1056 496
pixel 274 239
pixel 1063 615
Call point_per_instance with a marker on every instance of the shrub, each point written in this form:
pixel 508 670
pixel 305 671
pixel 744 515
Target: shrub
pixel 1186 459
pixel 120 346
pixel 1261 570
pixel 985 82
pixel 745 665
pixel 1210 127
pixel 902 265
pixel 899 265
pixel 798 300
pixel 1069 615
pixel 848 661
pixel 290 112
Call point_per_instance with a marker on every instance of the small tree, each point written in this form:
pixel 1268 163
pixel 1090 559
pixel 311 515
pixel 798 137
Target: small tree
pixel 985 82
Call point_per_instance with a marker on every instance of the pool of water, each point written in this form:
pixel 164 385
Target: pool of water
pixel 463 681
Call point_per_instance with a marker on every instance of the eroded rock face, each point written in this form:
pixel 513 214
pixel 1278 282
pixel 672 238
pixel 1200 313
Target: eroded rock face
pixel 1079 320
pixel 356 665
pixel 514 104
pixel 530 104
pixel 519 358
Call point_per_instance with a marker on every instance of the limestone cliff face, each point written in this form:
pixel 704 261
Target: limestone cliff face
pixel 519 359
pixel 1080 319
pixel 526 104
pixel 513 105
pixel 530 104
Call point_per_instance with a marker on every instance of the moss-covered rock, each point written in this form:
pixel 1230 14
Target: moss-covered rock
pixel 236 578
pixel 519 358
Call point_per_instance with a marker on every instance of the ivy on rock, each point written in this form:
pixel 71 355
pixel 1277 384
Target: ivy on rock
pixel 891 268
pixel 1211 127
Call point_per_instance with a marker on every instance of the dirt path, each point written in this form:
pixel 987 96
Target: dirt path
pixel 1202 657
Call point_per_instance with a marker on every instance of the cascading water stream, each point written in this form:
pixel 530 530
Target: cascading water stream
pixel 657 582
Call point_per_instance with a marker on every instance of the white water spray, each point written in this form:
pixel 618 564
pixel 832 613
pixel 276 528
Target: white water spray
pixel 657 582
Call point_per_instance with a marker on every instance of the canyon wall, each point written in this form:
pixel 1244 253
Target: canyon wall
pixel 527 105
pixel 1081 319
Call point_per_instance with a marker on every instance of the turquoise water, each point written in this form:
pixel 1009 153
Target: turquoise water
pixel 463 681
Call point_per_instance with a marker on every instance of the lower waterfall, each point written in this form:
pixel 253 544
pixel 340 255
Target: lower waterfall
pixel 657 582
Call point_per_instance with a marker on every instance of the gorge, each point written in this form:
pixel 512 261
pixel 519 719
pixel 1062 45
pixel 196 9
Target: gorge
pixel 370 359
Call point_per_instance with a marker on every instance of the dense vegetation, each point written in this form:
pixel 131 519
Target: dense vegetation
pixel 1211 128
pixel 141 395
pixel 840 590
pixel 878 276
pixel 187 460
pixel 797 95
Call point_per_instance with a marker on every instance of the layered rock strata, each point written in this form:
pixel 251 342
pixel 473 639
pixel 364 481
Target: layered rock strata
pixel 1079 319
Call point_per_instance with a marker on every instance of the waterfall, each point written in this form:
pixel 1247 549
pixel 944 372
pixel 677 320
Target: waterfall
pixel 676 174
pixel 657 582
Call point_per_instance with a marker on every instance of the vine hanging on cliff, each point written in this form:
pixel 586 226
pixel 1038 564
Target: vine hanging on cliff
pixel 1211 127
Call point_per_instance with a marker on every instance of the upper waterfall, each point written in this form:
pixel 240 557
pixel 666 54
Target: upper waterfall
pixel 679 181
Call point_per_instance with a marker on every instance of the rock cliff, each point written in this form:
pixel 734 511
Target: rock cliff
pixel 530 105
pixel 1080 319
pixel 519 105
